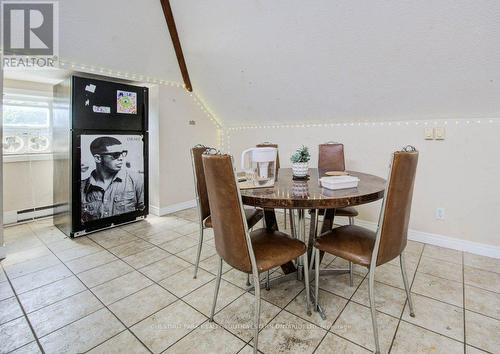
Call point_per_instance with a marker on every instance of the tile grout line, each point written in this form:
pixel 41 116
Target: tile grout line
pixel 406 300
pixel 432 331
pixel 435 299
pixel 341 311
pixel 221 309
pixel 272 319
pixel 282 309
pixel 123 324
pixel 24 315
pixel 253 295
pixel 22 275
pixel 354 301
pixel 55 302
pixel 177 298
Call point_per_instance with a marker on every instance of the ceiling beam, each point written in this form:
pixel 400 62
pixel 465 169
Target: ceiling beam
pixel 169 17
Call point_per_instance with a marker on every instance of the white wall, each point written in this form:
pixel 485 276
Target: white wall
pixel 154 146
pixel 459 174
pixel 27 184
pixel 34 174
pixel 175 138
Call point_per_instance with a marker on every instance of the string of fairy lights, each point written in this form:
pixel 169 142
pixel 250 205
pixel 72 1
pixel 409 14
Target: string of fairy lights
pixel 367 124
pixel 224 133
pixel 198 100
pixel 422 123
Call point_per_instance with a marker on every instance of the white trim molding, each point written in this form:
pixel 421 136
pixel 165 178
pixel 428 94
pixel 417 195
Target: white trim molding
pixel 437 240
pixel 154 210
pixel 169 209
pixel 12 217
pixel 9 217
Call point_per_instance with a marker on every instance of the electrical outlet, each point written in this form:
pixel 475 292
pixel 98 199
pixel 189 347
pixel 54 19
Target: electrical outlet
pixel 440 214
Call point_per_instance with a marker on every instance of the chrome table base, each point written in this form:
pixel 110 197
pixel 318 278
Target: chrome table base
pixel 299 231
pixel 295 276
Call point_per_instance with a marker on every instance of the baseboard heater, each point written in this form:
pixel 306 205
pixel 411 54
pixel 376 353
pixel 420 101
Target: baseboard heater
pixel 21 216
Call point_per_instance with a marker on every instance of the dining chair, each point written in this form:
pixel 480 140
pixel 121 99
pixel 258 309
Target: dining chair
pixel 253 216
pixel 372 249
pixel 252 252
pixel 331 158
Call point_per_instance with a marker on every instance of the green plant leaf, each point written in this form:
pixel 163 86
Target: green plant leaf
pixel 301 155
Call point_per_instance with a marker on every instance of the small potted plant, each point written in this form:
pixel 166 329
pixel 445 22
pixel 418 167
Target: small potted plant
pixel 300 162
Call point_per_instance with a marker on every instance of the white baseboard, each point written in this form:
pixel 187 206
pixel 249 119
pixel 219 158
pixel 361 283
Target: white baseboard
pixel 172 208
pixel 154 210
pixel 437 240
pixel 13 217
pixel 9 217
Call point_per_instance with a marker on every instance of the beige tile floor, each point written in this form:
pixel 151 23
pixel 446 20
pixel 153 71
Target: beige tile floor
pixel 131 290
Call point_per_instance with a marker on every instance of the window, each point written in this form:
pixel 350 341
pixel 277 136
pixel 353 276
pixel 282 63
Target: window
pixel 27 125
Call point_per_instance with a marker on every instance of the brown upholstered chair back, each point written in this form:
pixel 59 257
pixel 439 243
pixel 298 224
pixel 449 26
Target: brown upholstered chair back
pixel 229 225
pixel 199 175
pixel 331 157
pixel 397 206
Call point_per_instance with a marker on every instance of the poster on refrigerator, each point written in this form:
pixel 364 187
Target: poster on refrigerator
pixel 112 175
pixel 126 102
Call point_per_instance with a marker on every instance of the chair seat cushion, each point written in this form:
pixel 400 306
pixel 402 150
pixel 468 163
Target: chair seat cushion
pixel 347 211
pixel 351 242
pixel 274 248
pixel 253 217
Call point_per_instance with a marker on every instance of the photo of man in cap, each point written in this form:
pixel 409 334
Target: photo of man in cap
pixel 112 188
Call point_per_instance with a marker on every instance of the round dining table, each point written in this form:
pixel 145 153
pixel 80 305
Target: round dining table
pixel 301 195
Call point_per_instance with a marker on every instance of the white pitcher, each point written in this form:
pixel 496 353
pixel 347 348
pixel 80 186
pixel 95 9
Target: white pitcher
pixel 261 163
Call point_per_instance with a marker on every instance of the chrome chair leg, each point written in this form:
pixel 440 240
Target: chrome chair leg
pixel 285 217
pixel 312 261
pixel 306 280
pixel 268 284
pixel 292 225
pixel 198 254
pixel 316 279
pixel 371 295
pixel 402 263
pixel 318 229
pixel 216 292
pixel 350 275
pixel 256 281
pixel 351 222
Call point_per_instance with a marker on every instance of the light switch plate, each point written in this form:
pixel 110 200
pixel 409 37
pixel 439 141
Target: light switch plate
pixel 439 133
pixel 429 133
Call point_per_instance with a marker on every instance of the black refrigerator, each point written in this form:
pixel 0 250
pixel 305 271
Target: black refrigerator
pixel 100 135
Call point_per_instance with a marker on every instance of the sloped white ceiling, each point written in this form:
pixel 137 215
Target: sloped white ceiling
pixel 258 61
pixel 294 60
pixel 130 36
